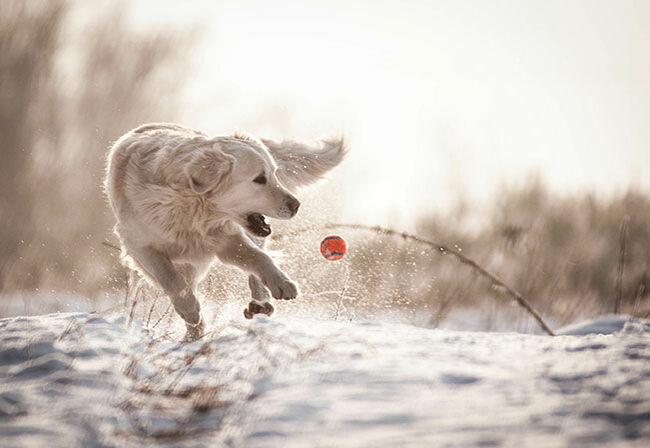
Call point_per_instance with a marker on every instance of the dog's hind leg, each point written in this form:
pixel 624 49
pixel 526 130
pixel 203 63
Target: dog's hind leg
pixel 158 267
pixel 260 303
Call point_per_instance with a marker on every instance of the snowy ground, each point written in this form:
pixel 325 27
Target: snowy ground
pixel 83 379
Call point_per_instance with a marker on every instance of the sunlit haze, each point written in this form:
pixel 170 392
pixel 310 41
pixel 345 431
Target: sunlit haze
pixel 437 99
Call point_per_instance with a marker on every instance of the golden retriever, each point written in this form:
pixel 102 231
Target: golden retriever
pixel 182 198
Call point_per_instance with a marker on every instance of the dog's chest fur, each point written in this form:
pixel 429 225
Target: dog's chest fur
pixel 185 225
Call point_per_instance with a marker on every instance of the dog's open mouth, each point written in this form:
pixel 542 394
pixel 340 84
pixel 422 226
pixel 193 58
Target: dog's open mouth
pixel 258 225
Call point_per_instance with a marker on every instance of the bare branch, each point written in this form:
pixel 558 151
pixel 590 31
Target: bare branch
pixel 442 249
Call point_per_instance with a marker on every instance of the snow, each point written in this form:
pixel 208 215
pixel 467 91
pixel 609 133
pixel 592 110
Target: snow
pixel 85 379
pixel 609 324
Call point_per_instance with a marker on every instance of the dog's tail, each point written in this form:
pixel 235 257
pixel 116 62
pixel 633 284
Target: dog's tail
pixel 299 165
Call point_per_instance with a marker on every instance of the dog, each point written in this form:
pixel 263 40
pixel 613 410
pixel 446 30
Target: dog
pixel 182 199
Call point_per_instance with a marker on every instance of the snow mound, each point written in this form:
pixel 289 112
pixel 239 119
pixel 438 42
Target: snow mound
pixel 88 380
pixel 610 324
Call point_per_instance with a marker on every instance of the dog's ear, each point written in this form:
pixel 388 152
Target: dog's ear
pixel 299 165
pixel 208 168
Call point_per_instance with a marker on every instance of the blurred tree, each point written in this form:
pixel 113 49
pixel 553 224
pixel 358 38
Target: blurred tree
pixel 29 39
pixel 62 103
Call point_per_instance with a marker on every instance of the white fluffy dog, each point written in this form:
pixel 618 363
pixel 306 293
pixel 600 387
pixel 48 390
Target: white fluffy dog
pixel 182 198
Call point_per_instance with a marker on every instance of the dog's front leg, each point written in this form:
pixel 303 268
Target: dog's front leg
pixel 159 268
pixel 260 295
pixel 260 303
pixel 240 251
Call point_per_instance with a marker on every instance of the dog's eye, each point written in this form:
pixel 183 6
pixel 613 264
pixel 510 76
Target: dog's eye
pixel 261 179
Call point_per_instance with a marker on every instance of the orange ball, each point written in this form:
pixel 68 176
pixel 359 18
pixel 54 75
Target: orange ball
pixel 333 247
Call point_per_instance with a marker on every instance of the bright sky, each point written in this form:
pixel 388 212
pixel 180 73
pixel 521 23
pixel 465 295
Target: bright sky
pixel 436 98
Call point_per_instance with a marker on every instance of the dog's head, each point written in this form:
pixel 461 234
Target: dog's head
pixel 249 179
pixel 239 176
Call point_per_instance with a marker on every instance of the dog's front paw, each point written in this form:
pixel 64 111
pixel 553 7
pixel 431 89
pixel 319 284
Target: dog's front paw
pixel 281 287
pixel 255 307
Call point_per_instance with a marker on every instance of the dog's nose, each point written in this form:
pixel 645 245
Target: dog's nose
pixel 293 204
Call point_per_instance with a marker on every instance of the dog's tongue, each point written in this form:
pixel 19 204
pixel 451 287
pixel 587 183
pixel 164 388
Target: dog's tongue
pixel 258 225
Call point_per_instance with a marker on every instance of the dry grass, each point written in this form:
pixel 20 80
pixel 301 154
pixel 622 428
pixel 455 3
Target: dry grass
pixel 568 256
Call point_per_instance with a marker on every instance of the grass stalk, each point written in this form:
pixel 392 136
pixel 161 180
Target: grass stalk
pixel 622 242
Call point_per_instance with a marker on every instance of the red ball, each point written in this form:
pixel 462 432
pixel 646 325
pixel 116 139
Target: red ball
pixel 333 247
